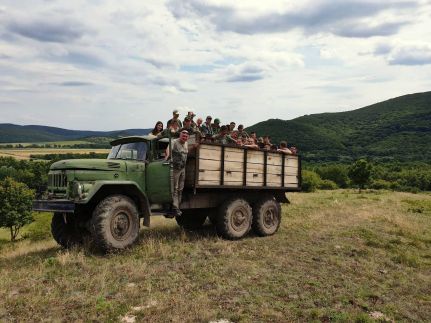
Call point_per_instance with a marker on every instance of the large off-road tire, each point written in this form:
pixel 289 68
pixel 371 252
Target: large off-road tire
pixel 234 219
pixel 266 216
pixel 65 230
pixel 115 223
pixel 192 219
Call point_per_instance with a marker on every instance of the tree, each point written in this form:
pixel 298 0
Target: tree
pixel 15 206
pixel 335 173
pixel 360 173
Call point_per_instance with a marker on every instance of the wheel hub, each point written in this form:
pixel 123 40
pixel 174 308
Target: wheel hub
pixel 120 226
pixel 239 220
pixel 269 218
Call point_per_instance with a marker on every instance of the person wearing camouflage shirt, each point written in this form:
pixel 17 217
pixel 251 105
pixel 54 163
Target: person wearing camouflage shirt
pixel 179 159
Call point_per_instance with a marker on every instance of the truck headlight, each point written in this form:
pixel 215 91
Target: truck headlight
pixel 77 189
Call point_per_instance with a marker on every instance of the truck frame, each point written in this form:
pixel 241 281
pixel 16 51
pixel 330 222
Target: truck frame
pixel 236 188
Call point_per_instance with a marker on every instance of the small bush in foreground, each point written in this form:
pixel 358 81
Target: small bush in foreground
pixel 16 201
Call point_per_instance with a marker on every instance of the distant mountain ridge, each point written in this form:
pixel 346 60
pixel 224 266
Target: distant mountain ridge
pixel 396 129
pixel 34 133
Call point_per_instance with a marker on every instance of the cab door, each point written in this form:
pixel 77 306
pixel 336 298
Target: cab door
pixel 159 176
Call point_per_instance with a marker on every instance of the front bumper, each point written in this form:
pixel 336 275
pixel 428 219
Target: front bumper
pixel 62 206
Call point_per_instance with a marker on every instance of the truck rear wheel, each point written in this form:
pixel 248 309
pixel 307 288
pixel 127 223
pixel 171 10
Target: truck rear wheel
pixel 192 219
pixel 65 231
pixel 115 223
pixel 234 219
pixel 266 217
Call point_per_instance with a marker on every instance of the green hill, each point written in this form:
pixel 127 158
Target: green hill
pixel 396 129
pixel 11 133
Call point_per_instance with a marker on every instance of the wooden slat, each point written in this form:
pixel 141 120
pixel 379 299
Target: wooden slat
pixel 209 164
pixel 290 179
pixel 208 175
pixel 291 171
pixel 209 152
pixel 251 178
pixel 209 147
pixel 206 164
pixel 207 182
pixel 230 155
pixel 292 161
pixel 271 169
pixel 233 183
pixel 255 157
pixel 255 168
pixel 274 159
pixel 233 176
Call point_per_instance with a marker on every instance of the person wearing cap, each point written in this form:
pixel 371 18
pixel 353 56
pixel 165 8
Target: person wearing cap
pixel 175 118
pixel 241 132
pixel 179 159
pixel 191 115
pixel 216 126
pixel 207 129
pixel 223 136
pixel 188 126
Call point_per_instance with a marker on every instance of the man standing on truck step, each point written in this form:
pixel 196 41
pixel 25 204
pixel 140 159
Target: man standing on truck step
pixel 179 159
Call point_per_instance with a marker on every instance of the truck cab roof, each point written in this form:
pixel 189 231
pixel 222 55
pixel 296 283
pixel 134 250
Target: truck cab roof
pixel 125 140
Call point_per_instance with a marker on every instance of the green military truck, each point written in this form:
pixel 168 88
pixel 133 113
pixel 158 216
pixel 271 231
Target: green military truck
pixel 236 188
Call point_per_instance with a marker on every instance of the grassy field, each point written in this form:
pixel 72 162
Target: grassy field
pixel 24 153
pixel 339 256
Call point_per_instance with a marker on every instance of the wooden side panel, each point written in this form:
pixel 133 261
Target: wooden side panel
pixel 210 168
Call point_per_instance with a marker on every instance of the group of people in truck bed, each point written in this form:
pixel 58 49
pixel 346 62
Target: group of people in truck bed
pixel 210 131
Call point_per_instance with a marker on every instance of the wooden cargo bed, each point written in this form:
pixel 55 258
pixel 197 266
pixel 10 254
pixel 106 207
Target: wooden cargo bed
pixel 217 166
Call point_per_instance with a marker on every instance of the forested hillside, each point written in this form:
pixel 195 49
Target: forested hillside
pixel 396 129
pixel 15 133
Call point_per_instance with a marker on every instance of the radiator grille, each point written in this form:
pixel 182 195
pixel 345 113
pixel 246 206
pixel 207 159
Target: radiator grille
pixel 57 180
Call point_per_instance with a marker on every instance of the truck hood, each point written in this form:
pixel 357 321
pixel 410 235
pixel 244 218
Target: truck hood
pixel 90 164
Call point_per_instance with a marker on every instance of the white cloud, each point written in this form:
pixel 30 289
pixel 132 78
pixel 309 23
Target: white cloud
pixel 110 65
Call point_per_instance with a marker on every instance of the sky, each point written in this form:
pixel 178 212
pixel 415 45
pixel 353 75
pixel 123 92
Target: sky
pixel 108 65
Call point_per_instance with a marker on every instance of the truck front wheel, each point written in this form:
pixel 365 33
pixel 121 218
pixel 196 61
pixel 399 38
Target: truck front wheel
pixel 234 219
pixel 65 231
pixel 266 217
pixel 115 223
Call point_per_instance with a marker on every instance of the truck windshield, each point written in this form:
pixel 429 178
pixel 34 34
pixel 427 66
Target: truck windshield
pixel 133 150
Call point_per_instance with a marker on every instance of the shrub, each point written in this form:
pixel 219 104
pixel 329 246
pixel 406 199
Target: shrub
pixel 335 173
pixel 310 181
pixel 327 184
pixel 380 184
pixel 40 229
pixel 16 201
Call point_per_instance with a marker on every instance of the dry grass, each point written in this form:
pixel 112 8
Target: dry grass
pixel 339 256
pixel 24 153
